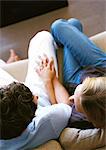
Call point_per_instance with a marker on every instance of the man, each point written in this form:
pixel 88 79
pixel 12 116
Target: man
pixel 26 129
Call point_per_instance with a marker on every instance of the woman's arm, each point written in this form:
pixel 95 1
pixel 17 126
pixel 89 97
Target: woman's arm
pixel 56 91
pixel 50 91
pixel 61 93
pixel 46 72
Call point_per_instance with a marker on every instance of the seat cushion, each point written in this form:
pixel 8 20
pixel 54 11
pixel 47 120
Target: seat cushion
pixel 101 148
pixel 77 139
pixel 51 145
pixel 100 40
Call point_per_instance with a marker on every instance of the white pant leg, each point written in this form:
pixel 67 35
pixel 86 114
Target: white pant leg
pixel 2 63
pixel 41 43
pixel 5 78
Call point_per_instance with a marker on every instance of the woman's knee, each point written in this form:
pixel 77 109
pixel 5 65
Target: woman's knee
pixel 76 23
pixel 56 25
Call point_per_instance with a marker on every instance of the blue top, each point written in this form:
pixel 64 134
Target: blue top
pixel 48 124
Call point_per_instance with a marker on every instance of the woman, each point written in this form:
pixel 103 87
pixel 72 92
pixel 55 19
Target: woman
pixel 88 102
pixel 82 59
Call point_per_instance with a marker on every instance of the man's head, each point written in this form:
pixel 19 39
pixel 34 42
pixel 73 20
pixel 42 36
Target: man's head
pixel 90 99
pixel 17 109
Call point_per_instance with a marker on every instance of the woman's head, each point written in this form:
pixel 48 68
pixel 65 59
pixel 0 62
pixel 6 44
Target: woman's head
pixel 16 109
pixel 90 98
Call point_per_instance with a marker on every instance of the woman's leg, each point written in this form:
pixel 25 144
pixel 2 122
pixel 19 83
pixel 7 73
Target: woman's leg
pixel 70 65
pixel 76 23
pixel 83 50
pixel 77 47
pixel 42 43
pixel 71 69
pixel 73 22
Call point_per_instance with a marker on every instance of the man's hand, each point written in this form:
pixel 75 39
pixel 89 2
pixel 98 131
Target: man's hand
pixel 46 68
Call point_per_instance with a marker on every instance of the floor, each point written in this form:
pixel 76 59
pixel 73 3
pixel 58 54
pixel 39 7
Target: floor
pixel 92 14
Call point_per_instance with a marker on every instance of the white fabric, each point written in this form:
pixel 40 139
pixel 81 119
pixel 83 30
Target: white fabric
pixel 5 78
pixel 42 43
pixel 2 62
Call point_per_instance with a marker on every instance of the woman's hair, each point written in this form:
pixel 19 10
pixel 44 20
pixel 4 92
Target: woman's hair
pixel 93 100
pixel 17 110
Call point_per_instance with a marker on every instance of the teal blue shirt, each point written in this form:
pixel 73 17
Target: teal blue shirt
pixel 46 125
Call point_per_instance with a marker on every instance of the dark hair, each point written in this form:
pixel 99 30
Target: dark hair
pixel 17 110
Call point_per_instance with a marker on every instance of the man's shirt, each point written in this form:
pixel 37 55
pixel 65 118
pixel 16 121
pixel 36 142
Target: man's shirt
pixel 46 125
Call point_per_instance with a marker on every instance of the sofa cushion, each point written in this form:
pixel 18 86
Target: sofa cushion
pixel 100 40
pixel 101 148
pixel 51 145
pixel 14 69
pixel 76 139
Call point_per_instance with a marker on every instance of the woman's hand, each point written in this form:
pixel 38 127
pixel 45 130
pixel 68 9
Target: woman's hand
pixel 46 68
pixel 47 73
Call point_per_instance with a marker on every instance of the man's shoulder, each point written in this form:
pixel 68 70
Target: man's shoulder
pixel 52 113
pixel 55 109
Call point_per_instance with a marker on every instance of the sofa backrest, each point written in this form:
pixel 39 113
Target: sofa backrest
pixel 17 69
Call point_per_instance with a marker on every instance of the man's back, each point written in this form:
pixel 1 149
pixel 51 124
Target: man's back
pixel 48 124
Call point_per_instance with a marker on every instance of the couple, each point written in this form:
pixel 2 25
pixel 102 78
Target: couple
pixel 38 111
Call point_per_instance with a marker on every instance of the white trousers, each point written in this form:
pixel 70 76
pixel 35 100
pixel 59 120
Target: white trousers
pixel 2 62
pixel 41 43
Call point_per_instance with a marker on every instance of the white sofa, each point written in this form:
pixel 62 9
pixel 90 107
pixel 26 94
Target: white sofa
pixel 70 138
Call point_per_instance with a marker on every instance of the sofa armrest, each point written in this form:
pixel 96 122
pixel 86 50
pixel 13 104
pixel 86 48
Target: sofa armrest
pixel 76 139
pixel 17 69
pixel 100 40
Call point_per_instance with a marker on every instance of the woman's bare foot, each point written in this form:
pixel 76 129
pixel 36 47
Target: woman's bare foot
pixel 13 57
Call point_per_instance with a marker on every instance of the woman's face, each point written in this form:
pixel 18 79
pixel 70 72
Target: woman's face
pixel 77 98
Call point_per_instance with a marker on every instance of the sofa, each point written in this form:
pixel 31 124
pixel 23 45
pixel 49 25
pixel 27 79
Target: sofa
pixel 70 138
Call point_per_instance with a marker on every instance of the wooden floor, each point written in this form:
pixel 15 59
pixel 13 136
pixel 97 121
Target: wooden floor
pixel 92 14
